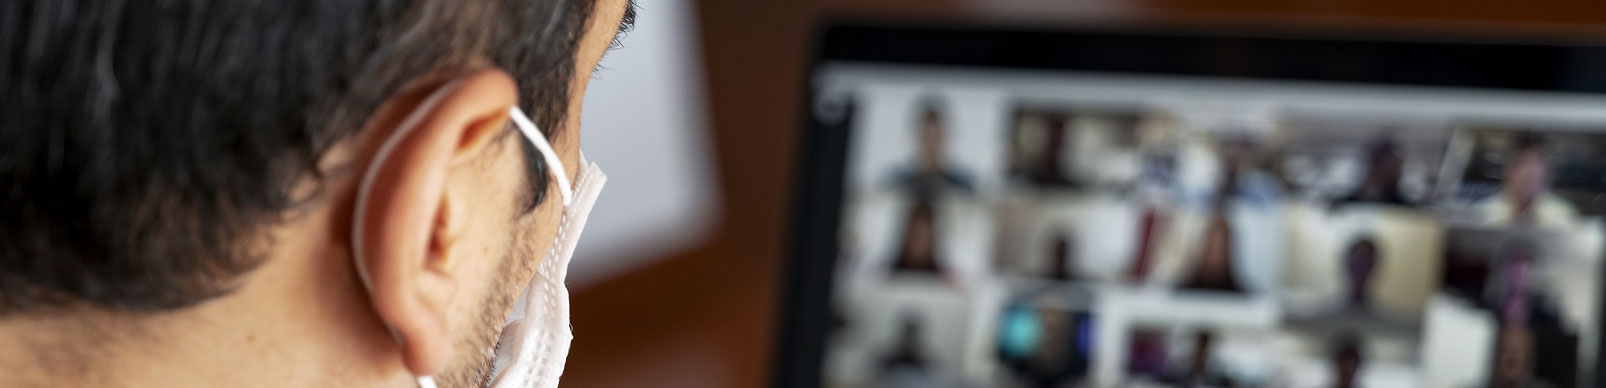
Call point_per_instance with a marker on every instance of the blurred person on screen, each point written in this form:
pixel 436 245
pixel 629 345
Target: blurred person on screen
pixel 1041 343
pixel 1146 353
pixel 1152 226
pixel 1201 369
pixel 1514 359
pixel 1381 185
pixel 1062 257
pixel 1155 196
pixel 1049 170
pixel 1199 364
pixel 932 174
pixel 1243 180
pixel 181 179
pixel 1213 270
pixel 1525 198
pixel 1057 359
pixel 1514 289
pixel 918 251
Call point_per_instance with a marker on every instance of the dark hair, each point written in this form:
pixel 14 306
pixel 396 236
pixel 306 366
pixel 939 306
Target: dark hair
pixel 144 144
pixel 1529 141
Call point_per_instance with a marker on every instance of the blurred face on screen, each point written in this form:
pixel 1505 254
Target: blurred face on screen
pixel 1386 168
pixel 1526 177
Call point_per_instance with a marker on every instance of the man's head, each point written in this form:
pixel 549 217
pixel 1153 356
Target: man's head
pixel 195 163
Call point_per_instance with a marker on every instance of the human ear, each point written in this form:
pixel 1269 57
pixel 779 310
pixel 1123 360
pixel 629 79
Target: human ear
pixel 405 222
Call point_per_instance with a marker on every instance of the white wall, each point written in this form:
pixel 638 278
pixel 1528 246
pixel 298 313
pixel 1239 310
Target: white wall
pixel 645 123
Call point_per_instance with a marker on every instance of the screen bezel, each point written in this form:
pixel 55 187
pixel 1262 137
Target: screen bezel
pixel 806 278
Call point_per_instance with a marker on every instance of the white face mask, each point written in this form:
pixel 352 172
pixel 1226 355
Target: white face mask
pixel 533 347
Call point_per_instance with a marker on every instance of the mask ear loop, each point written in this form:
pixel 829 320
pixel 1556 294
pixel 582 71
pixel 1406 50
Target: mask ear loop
pixel 426 382
pixel 554 165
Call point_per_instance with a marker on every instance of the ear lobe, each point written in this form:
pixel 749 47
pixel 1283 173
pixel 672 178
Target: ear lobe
pixel 404 228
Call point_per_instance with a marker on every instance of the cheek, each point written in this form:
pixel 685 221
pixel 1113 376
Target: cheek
pixel 491 241
pixel 539 229
pixel 502 232
pixel 542 229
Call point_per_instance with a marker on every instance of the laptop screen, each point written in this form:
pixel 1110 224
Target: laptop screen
pixel 1117 219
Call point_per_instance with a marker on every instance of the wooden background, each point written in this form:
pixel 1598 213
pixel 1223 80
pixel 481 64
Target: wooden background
pixel 705 317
